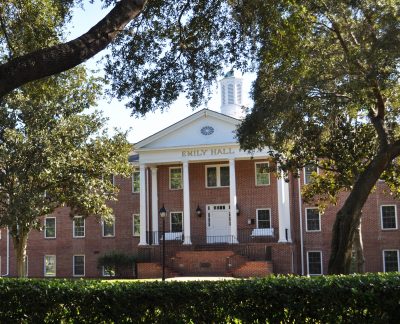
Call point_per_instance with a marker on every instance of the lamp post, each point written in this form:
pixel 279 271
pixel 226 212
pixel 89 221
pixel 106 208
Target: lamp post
pixel 163 213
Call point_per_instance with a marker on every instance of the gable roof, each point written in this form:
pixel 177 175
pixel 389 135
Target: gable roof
pixel 181 133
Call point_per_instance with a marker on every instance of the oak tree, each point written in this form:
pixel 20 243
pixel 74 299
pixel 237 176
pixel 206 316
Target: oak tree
pixel 51 152
pixel 51 155
pixel 327 94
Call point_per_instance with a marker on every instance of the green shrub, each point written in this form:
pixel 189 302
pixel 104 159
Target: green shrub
pixel 117 264
pixel 372 298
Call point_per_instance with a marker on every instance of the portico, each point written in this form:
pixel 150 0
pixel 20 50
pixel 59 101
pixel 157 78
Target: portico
pixel 203 154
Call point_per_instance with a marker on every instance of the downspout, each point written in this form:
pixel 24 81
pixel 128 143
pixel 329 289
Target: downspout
pixel 301 230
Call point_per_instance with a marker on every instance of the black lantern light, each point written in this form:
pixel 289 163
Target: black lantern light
pixel 198 211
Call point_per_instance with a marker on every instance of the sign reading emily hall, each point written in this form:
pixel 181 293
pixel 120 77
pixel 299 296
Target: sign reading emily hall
pixel 209 152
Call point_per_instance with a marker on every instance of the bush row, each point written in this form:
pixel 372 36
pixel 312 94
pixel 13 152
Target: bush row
pixel 372 298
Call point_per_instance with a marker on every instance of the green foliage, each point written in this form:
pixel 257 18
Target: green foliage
pixel 28 25
pixel 117 263
pixel 327 91
pixel 52 154
pixel 369 298
pixel 179 47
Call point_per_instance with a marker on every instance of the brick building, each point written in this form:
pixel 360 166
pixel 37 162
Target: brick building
pixel 226 214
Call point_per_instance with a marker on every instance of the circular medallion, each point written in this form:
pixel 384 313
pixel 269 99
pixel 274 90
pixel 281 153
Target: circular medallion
pixel 207 130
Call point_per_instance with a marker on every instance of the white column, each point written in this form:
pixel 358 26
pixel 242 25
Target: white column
pixel 143 222
pixel 154 205
pixel 232 199
pixel 284 210
pixel 186 204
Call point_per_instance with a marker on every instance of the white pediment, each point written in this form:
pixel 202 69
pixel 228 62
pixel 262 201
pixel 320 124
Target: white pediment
pixel 203 128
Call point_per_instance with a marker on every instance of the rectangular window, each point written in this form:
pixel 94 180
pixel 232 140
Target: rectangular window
pixel 224 176
pixel 211 176
pixel 217 176
pixel 314 263
pixel 108 228
pixel 389 217
pixel 308 171
pixel 136 181
pixel 136 224
pixel 50 227
pixel 79 265
pixel 78 225
pixel 175 178
pixel 108 271
pixel 263 218
pixel 262 174
pixel 49 265
pixel 390 260
pixel 313 220
pixel 176 221
pixel 111 179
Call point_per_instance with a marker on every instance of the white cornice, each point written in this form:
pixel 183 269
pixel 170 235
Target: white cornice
pixel 231 144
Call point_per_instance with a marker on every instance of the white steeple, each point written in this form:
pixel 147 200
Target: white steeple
pixel 231 95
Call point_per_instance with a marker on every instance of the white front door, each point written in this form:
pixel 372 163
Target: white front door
pixel 218 224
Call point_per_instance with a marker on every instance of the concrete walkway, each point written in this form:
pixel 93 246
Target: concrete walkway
pixel 199 278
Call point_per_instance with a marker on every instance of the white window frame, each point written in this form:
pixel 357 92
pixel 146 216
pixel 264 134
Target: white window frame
pixel 112 179
pixel 45 227
pixel 395 217
pixel 73 227
pixel 55 265
pixel 305 175
pixel 270 217
pixel 319 220
pixel 255 174
pixel 218 173
pixel 308 263
pixel 104 274
pixel 170 220
pixel 136 173
pixel 102 229
pixel 169 173
pixel 73 265
pixel 383 257
pixel 133 225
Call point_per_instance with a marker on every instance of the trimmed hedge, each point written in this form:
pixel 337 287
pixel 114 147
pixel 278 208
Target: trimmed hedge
pixel 372 298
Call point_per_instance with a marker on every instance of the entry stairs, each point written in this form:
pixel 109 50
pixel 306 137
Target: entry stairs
pixel 207 261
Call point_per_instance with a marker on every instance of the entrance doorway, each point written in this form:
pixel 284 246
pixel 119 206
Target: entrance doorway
pixel 218 224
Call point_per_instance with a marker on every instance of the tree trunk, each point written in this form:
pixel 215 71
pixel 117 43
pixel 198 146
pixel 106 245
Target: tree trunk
pixel 358 249
pixel 20 243
pixel 349 216
pixel 62 57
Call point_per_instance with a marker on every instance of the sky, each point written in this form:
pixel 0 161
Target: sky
pixel 119 116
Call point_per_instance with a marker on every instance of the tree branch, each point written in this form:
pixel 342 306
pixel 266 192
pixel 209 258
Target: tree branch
pixel 62 57
pixel 379 125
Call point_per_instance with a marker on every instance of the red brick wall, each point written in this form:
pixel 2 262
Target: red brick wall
pixel 92 245
pixel 375 239
pixel 286 257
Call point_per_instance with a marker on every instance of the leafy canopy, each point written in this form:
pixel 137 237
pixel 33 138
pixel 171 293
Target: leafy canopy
pixel 59 156
pixel 327 91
